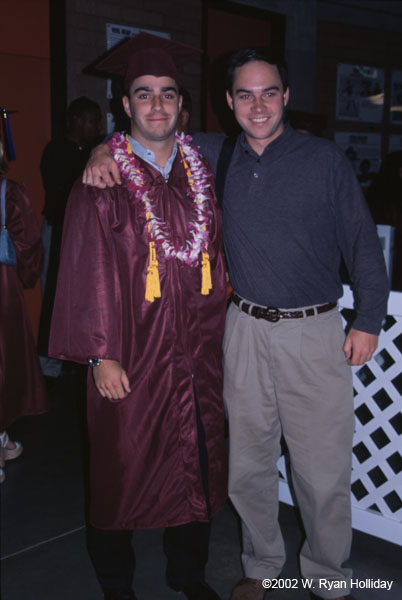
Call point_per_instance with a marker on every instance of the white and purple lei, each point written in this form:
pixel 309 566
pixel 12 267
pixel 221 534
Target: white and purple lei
pixel 197 174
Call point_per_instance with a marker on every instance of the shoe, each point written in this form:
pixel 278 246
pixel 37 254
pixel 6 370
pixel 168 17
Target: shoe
pixel 196 591
pixel 248 589
pixel 119 595
pixel 9 453
pixel 2 475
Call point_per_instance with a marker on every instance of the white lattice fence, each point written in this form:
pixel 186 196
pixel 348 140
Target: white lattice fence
pixel 377 446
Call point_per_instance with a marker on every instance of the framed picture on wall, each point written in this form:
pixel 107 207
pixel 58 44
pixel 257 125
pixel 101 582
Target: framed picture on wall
pixel 395 112
pixel 359 93
pixel 363 151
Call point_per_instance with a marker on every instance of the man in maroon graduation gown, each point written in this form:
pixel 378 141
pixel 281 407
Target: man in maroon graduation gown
pixel 141 297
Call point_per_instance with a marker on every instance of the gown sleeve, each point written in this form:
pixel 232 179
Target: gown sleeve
pixel 86 321
pixel 23 226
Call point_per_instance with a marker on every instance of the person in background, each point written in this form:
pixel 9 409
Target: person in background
pixel 292 206
pixel 141 297
pixel 62 162
pixel 183 124
pixel 22 388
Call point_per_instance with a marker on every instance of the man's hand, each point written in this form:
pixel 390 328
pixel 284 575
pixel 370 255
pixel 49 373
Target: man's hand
pixel 111 380
pixel 359 347
pixel 101 169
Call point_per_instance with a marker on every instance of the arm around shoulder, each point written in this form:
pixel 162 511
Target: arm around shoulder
pixel 101 169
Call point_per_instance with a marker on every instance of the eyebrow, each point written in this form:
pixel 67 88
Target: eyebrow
pixel 268 89
pixel 149 89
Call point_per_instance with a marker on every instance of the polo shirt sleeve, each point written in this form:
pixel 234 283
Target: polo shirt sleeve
pixel 361 248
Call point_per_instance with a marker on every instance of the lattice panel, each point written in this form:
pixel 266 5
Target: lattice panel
pixel 377 445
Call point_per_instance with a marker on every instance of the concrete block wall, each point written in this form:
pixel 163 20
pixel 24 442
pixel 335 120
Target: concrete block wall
pixel 86 40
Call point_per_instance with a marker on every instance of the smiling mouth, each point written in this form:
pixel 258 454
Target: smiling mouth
pixel 259 119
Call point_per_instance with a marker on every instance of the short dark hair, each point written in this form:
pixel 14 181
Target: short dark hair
pixel 80 106
pixel 246 55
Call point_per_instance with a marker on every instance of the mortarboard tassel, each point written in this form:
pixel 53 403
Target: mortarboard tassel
pixel 206 281
pixel 152 288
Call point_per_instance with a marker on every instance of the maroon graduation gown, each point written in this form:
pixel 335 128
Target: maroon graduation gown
pixel 22 388
pixel 144 449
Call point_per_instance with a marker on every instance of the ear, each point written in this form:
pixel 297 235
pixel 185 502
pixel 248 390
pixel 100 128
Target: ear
pixel 229 99
pixel 126 106
pixel 180 102
pixel 286 97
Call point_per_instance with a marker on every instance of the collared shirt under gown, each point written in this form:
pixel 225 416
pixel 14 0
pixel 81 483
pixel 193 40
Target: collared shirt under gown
pixel 144 450
pixel 22 387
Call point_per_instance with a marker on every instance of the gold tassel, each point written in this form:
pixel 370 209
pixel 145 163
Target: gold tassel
pixel 206 281
pixel 153 288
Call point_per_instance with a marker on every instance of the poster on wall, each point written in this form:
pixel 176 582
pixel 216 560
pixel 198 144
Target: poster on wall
pixel 359 93
pixel 364 152
pixel 114 35
pixel 395 113
pixel 395 143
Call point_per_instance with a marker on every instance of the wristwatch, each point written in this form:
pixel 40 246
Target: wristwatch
pixel 94 362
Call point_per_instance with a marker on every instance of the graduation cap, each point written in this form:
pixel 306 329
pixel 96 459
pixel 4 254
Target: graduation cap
pixel 146 54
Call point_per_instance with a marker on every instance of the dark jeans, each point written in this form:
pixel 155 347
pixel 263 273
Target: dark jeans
pixel 186 548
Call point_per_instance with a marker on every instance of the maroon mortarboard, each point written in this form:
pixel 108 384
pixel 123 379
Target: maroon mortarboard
pixel 147 54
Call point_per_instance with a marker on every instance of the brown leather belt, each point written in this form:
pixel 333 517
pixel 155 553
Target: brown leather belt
pixel 274 314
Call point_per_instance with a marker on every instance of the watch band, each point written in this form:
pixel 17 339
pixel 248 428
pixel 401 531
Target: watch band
pixel 94 362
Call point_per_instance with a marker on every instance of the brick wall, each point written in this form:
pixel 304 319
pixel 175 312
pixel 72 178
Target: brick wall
pixel 86 40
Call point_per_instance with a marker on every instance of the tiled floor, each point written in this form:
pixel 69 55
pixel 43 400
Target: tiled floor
pixel 43 537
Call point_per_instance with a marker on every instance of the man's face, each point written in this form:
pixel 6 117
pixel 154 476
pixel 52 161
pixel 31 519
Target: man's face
pixel 258 101
pixel 153 107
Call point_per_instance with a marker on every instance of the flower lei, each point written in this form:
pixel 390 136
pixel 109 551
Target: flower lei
pixel 198 227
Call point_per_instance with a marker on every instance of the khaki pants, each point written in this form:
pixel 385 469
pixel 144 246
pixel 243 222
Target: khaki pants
pixel 290 377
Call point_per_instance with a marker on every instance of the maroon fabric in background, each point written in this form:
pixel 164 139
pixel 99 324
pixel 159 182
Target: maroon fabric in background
pixel 144 449
pixel 22 388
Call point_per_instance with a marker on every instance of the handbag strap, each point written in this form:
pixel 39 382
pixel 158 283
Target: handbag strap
pixel 3 203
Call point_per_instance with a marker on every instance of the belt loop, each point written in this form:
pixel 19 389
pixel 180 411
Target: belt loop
pixel 315 313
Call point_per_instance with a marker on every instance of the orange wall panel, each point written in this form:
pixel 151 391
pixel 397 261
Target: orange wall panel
pixel 27 92
pixel 25 88
pixel 24 27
